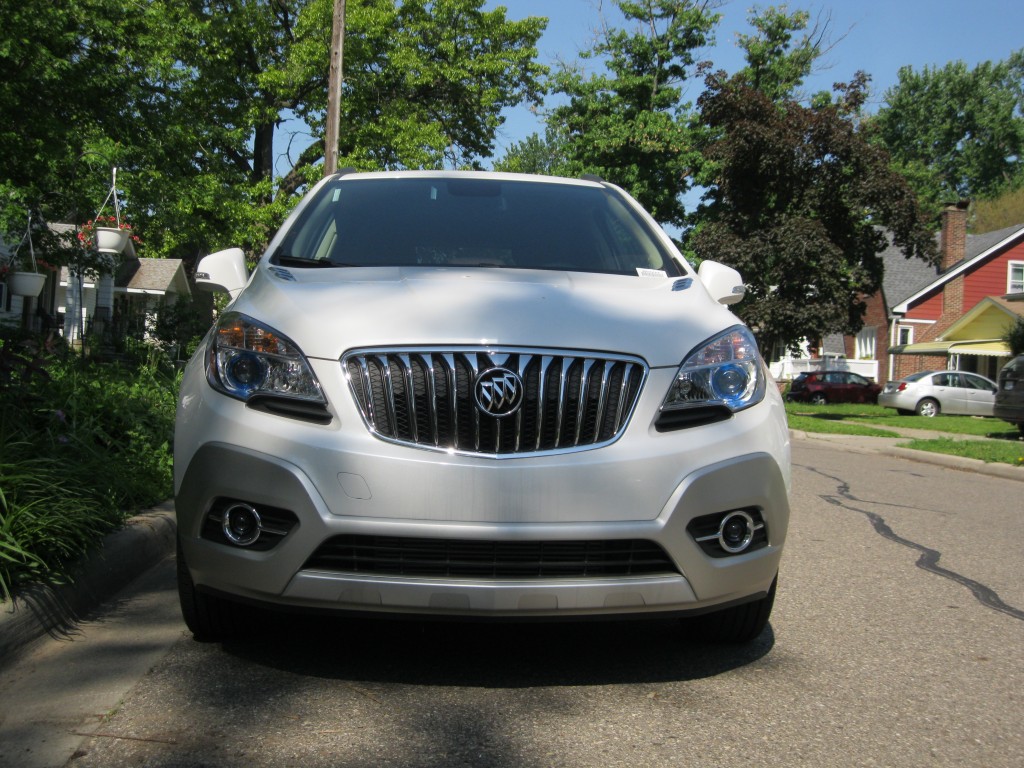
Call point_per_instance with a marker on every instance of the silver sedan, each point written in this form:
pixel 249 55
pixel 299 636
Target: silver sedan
pixel 933 392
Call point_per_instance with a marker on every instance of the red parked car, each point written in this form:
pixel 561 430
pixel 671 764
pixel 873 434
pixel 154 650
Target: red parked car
pixel 820 387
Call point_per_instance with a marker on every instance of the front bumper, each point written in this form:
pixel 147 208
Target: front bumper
pixel 339 481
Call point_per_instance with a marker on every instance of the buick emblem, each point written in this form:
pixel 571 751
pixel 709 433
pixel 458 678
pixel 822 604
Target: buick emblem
pixel 499 392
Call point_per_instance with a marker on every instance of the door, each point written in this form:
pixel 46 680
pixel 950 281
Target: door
pixel 947 390
pixel 981 395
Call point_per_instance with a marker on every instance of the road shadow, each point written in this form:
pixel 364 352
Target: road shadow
pixel 493 655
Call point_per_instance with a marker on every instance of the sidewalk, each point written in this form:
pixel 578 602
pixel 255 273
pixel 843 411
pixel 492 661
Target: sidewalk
pixel 149 538
pixel 123 556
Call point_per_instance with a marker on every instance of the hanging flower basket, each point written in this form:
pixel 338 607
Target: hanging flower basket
pixel 29 284
pixel 107 234
pixel 111 239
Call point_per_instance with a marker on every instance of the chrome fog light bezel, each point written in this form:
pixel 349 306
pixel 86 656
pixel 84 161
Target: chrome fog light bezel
pixel 229 532
pixel 750 528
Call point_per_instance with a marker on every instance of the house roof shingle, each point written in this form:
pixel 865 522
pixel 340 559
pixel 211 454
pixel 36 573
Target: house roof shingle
pixel 147 274
pixel 905 277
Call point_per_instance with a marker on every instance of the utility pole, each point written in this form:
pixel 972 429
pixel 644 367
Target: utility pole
pixel 334 89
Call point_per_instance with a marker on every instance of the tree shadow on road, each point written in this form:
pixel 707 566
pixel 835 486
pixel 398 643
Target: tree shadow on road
pixel 503 655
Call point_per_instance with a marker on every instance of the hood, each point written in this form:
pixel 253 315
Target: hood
pixel 329 311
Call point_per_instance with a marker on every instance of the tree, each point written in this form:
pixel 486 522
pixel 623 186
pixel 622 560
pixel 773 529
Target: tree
pixel 796 201
pixel 1014 337
pixel 67 70
pixel 187 98
pixel 629 123
pixel 1005 210
pixel 534 154
pixel 776 65
pixel 957 132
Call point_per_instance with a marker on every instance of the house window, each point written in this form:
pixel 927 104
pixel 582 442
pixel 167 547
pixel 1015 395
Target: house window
pixel 1015 277
pixel 865 346
pixel 906 335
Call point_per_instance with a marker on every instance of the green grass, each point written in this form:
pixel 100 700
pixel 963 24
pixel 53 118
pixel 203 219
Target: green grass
pixel 834 426
pixel 1002 444
pixel 992 451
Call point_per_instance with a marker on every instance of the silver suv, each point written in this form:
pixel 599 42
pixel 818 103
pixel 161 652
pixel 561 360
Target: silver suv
pixel 478 395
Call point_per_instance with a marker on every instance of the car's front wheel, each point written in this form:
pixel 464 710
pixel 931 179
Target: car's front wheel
pixel 738 624
pixel 209 618
pixel 928 407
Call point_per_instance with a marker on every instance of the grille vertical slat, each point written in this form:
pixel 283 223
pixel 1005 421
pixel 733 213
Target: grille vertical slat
pixel 427 398
pixel 389 395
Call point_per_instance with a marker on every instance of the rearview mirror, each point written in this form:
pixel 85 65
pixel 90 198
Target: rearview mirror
pixel 723 283
pixel 222 271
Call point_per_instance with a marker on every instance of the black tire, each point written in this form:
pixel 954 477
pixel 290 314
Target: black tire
pixel 738 624
pixel 210 619
pixel 818 398
pixel 928 408
pixel 1020 427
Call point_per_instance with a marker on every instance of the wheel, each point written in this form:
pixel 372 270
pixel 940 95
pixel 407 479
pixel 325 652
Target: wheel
pixel 209 618
pixel 738 624
pixel 818 398
pixel 928 407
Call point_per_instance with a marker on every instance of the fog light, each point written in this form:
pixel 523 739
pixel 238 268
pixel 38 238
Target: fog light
pixel 242 524
pixel 736 531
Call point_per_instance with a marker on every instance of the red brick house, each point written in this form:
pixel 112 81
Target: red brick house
pixel 957 318
pixel 925 318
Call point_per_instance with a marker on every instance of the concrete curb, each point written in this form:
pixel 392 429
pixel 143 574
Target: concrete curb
pixel 123 556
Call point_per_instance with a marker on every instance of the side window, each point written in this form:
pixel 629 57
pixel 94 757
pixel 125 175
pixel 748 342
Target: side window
pixel 1015 277
pixel 943 380
pixel 975 382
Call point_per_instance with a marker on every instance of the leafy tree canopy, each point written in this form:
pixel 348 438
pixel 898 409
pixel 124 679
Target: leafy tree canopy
pixel 187 98
pixel 957 132
pixel 1005 210
pixel 796 201
pixel 628 123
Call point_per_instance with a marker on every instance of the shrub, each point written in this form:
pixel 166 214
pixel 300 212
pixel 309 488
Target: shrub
pixel 83 445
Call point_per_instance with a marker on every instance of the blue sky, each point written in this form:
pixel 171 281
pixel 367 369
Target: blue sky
pixel 877 36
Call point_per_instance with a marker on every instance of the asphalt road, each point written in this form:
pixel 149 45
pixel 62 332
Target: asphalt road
pixel 897 640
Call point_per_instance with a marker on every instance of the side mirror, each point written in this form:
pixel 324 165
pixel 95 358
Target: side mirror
pixel 723 283
pixel 222 271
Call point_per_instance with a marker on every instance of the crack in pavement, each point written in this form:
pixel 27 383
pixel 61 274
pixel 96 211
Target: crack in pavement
pixel 929 558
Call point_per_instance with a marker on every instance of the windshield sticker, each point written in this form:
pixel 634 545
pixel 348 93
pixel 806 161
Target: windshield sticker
pixel 642 272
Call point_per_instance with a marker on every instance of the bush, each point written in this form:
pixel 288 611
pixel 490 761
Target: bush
pixel 83 445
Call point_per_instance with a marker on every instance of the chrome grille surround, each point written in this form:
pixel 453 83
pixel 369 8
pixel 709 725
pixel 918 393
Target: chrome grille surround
pixel 425 398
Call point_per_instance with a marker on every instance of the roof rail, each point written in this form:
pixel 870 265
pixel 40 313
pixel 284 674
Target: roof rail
pixel 592 177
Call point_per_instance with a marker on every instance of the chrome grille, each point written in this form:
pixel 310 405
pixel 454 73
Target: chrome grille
pixel 426 398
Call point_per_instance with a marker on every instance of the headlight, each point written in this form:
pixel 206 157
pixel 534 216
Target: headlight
pixel 246 359
pixel 723 371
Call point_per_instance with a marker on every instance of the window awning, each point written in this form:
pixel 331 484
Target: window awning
pixel 985 347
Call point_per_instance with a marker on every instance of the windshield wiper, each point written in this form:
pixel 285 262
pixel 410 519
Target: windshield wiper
pixel 297 261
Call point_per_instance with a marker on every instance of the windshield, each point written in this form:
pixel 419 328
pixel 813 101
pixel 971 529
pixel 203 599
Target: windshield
pixel 433 221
